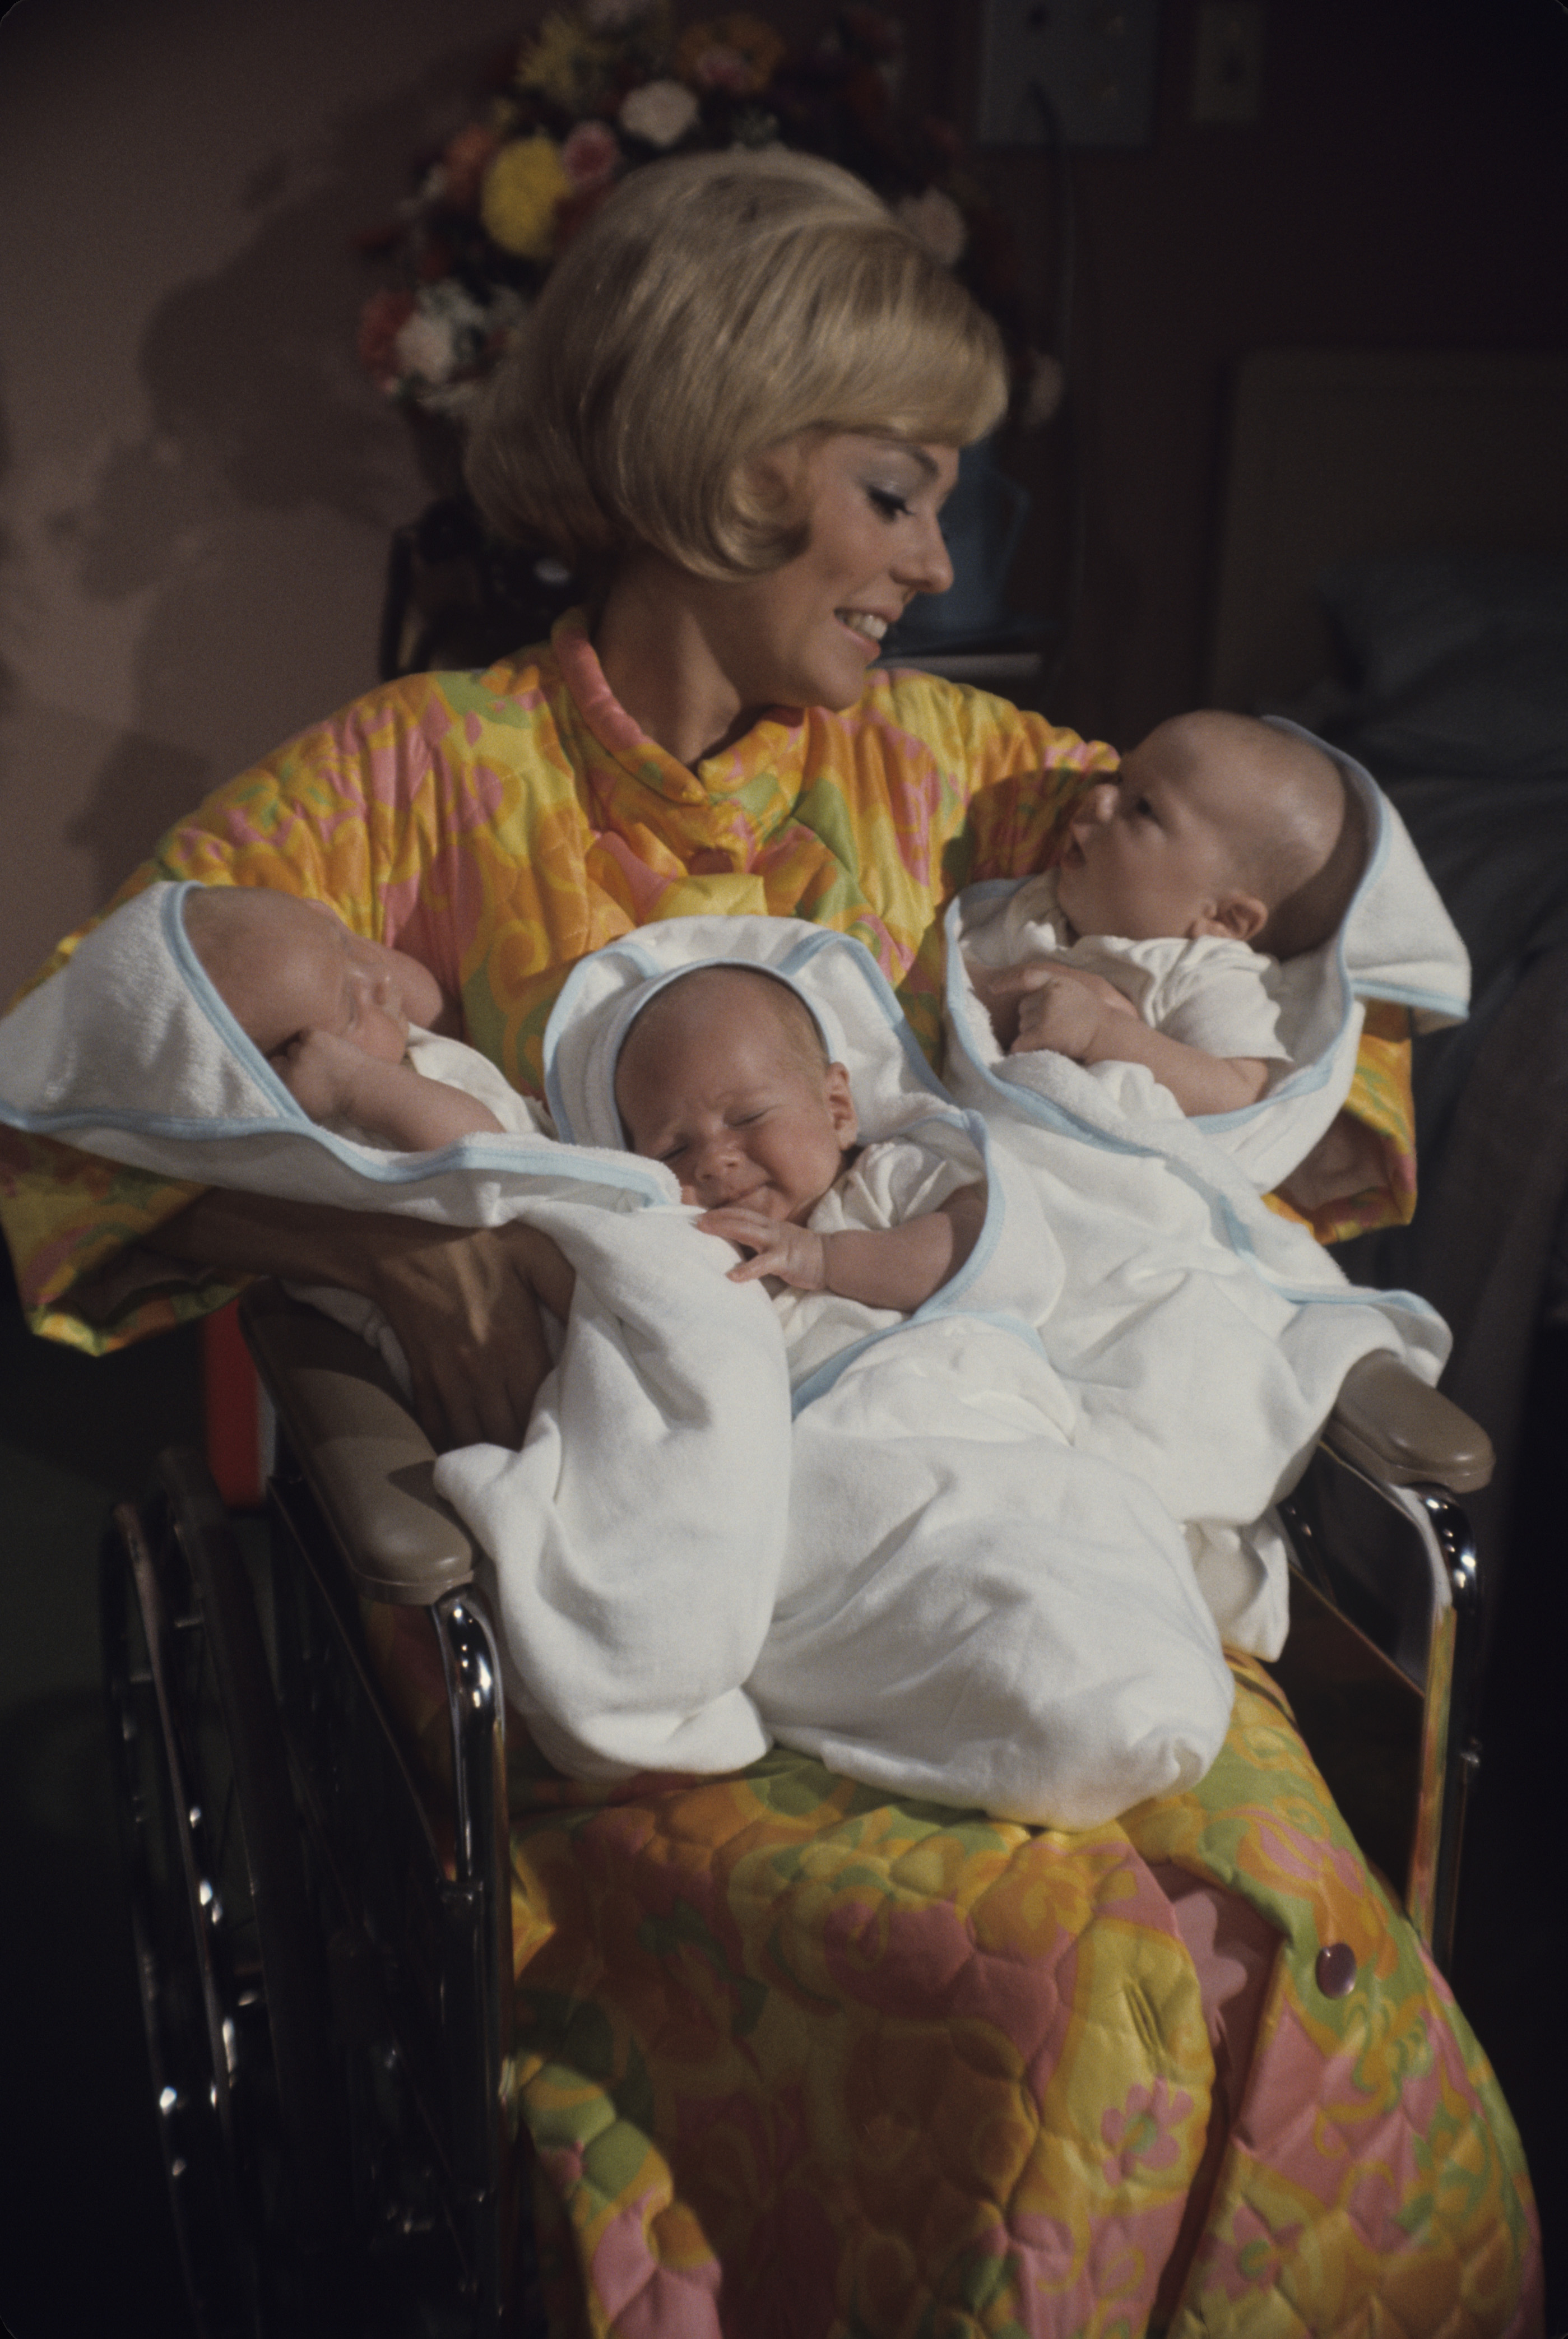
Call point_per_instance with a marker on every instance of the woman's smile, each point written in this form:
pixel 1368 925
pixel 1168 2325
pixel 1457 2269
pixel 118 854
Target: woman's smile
pixel 873 541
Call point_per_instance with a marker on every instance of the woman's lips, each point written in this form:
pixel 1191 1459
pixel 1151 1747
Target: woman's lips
pixel 867 625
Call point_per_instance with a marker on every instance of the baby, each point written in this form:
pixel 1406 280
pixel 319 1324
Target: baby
pixel 341 1022
pixel 1218 833
pixel 723 1077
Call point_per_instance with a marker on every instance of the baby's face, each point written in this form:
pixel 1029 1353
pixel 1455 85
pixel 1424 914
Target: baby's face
pixel 302 970
pixel 734 1111
pixel 1153 850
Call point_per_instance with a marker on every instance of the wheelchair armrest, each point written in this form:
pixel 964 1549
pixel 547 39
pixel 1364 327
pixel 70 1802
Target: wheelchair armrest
pixel 1387 1423
pixel 359 1449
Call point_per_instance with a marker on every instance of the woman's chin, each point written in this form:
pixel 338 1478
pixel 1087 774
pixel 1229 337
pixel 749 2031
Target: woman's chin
pixel 846 688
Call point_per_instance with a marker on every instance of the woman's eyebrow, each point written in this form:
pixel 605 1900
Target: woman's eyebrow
pixel 927 463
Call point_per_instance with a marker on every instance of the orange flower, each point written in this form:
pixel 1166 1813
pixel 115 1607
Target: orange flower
pixel 463 165
pixel 736 52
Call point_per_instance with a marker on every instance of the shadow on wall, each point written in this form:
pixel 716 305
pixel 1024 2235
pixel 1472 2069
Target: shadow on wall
pixel 254 511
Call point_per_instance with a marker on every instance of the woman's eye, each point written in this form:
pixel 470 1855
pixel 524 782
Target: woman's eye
pixel 889 504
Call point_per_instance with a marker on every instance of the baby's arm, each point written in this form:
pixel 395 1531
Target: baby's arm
pixel 1082 1016
pixel 881 1267
pixel 334 1080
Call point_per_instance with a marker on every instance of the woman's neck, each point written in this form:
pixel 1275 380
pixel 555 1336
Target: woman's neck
pixel 667 642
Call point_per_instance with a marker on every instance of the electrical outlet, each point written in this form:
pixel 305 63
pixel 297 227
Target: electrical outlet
pixel 1227 62
pixel 1095 59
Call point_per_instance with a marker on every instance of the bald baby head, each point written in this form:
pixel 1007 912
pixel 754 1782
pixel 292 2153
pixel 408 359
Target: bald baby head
pixel 1283 830
pixel 723 1077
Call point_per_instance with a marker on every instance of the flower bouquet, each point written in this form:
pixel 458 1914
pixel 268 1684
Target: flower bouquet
pixel 606 87
pixel 599 91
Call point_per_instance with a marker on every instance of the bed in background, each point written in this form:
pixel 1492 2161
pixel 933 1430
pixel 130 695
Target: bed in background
pixel 1394 572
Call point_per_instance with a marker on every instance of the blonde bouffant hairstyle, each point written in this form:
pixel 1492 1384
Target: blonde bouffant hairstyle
pixel 717 307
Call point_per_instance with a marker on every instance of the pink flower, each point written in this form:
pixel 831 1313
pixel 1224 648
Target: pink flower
pixel 590 155
pixel 722 68
pixel 463 165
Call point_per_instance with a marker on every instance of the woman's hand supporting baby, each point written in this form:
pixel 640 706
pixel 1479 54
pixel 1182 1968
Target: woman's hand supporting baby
pixel 463 1302
pixel 887 1267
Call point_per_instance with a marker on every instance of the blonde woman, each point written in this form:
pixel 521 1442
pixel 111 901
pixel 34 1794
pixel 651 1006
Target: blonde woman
pixel 738 407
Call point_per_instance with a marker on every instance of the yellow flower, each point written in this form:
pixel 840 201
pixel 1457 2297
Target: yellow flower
pixel 566 63
pixel 522 187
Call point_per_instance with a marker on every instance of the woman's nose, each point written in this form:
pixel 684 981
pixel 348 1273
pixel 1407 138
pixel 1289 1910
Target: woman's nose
pixel 925 566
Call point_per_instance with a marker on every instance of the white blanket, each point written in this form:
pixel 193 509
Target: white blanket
pixel 1204 1337
pixel 955 1578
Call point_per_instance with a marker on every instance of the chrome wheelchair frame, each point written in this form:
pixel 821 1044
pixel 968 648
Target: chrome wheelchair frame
pixel 324 1935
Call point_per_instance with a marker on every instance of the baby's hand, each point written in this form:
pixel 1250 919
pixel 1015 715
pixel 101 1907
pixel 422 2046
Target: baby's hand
pixel 777 1245
pixel 1012 997
pixel 1063 1008
pixel 996 988
pixel 318 1069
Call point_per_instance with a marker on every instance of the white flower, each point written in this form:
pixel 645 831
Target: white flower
pixel 427 348
pixel 441 335
pixel 937 221
pixel 447 299
pixel 661 111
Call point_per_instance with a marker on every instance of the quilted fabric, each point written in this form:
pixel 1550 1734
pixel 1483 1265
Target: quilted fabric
pixel 795 2061
pixel 499 826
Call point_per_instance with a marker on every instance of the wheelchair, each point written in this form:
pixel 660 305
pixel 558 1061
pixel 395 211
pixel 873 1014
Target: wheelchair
pixel 323 1907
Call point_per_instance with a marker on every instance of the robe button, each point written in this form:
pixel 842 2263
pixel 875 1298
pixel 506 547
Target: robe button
pixel 1335 1970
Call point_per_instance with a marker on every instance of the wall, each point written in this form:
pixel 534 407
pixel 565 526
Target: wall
pixel 196 484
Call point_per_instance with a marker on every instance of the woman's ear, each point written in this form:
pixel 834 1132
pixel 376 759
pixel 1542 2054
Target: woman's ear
pixel 1235 917
pixel 841 1105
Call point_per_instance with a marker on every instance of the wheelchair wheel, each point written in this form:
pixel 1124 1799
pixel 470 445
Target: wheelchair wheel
pixel 227 1950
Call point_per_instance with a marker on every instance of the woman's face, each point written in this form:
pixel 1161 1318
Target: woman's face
pixel 804 634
